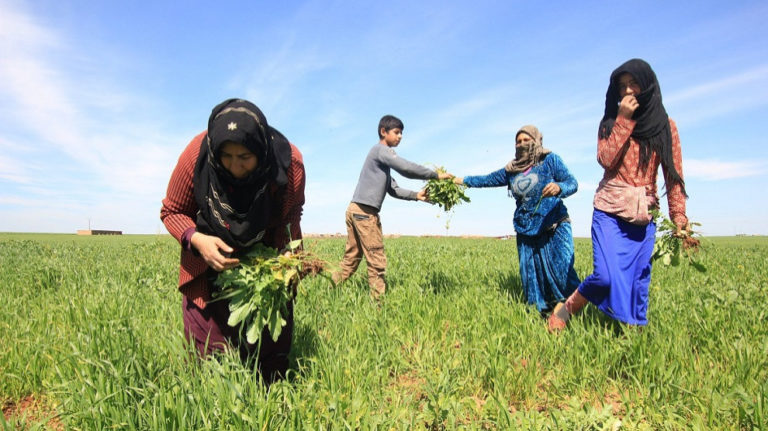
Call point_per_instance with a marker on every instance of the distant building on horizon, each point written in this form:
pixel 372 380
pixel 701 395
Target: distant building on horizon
pixel 98 232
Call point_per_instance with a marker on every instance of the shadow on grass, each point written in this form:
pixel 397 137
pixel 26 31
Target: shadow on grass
pixel 510 284
pixel 593 318
pixel 440 283
pixel 305 345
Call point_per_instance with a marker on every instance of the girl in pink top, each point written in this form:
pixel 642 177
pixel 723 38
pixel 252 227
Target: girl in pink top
pixel 635 136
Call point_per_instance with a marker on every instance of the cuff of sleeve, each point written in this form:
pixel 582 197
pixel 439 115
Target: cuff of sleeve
pixel 623 122
pixel 562 194
pixel 186 240
pixel 679 219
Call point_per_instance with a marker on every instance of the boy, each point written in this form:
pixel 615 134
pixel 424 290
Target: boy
pixel 364 236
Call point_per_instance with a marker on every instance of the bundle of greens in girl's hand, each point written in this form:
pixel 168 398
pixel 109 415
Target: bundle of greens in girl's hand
pixel 445 193
pixel 261 287
pixel 670 247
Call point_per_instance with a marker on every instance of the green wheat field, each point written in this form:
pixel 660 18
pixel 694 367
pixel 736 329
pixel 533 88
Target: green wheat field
pixel 91 339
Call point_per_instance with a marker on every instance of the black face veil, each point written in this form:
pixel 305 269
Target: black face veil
pixel 652 122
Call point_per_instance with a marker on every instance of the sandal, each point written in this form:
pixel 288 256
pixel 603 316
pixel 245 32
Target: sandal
pixel 558 320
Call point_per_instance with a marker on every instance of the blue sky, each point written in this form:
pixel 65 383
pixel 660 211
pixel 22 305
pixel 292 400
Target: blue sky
pixel 98 99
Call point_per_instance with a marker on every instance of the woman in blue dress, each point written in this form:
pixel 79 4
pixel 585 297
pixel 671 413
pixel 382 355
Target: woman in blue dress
pixel 538 180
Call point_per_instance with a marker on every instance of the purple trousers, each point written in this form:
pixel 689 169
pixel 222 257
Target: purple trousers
pixel 618 285
pixel 208 329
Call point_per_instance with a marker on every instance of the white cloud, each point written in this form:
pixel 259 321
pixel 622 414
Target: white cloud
pixel 69 134
pixel 35 87
pixel 18 29
pixel 712 170
pixel 452 119
pixel 88 124
pixel 323 194
pixel 746 78
pixel 278 69
pixel 736 93
pixel 13 170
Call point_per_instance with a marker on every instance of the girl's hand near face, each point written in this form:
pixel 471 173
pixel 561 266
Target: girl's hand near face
pixel 627 106
pixel 208 246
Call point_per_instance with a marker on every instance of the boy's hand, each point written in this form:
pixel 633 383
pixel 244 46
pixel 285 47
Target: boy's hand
pixel 444 176
pixel 458 180
pixel 422 195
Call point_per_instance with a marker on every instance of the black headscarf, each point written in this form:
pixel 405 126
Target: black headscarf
pixel 239 210
pixel 652 122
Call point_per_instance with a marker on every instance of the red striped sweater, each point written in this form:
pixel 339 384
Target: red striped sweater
pixel 179 211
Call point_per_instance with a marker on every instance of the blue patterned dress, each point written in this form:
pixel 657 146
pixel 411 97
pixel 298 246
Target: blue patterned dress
pixel 544 238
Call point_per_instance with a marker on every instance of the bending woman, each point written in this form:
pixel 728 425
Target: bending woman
pixel 539 181
pixel 634 138
pixel 238 183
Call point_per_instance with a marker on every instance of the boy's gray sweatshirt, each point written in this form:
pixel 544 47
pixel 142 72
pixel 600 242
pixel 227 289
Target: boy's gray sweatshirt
pixel 376 180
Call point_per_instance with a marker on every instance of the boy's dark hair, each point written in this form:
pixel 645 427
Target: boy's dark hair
pixel 389 122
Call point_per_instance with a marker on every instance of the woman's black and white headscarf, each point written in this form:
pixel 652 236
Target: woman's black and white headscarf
pixel 239 210
pixel 652 122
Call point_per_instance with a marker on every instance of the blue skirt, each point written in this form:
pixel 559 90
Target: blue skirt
pixel 618 286
pixel 546 266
